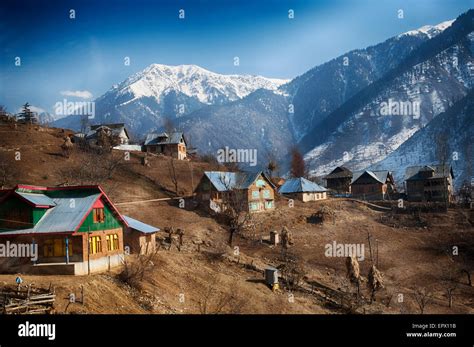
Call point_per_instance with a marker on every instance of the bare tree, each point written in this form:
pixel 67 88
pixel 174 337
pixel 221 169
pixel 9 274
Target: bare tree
pixel 292 270
pixel 134 270
pixel 442 155
pixel 423 297
pixel 214 301
pixel 298 165
pixel 92 168
pixel 169 125
pixel 173 174
pixel 272 164
pixel 234 207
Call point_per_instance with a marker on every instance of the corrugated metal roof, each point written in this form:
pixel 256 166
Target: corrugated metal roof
pixel 339 172
pixel 224 181
pixel 140 226
pixel 68 212
pixel 439 171
pixel 37 199
pixel 380 176
pixel 300 185
pixel 115 129
pixel 164 138
pixel 66 216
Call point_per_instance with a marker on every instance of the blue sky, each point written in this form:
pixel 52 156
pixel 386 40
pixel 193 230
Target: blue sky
pixel 87 53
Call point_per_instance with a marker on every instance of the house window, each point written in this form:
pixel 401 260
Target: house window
pixel 112 242
pixel 266 194
pixel 95 244
pixel 260 183
pixel 99 216
pixel 268 204
pixel 253 206
pixel 255 194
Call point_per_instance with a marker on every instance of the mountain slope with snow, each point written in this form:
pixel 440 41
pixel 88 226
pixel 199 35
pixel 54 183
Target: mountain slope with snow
pixel 448 138
pixel 144 100
pixel 425 84
pixel 323 89
pixel 315 94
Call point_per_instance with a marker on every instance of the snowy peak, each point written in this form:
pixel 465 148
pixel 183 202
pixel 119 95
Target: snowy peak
pixel 429 30
pixel 207 87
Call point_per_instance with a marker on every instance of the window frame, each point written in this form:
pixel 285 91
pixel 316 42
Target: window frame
pixel 98 215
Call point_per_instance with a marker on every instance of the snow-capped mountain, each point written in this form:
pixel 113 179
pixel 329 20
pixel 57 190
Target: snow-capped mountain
pixel 207 87
pixel 378 119
pixel 145 99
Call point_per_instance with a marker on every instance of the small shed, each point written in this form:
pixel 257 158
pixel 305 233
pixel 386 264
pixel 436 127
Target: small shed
pixel 274 237
pixel 271 276
pixel 140 237
pixel 303 189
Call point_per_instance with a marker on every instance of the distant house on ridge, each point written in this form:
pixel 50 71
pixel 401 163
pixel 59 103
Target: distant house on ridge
pixel 173 144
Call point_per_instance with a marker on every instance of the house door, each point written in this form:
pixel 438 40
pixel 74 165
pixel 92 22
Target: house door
pixel 56 248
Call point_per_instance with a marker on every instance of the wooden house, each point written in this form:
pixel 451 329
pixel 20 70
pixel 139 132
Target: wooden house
pixel 139 237
pixel 339 180
pixel 116 131
pixel 253 190
pixel 373 185
pixel 173 144
pixel 429 183
pixel 303 189
pixel 77 230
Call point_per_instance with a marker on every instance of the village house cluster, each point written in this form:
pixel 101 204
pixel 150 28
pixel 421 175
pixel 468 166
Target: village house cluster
pixel 429 183
pixel 78 230
pixel 173 144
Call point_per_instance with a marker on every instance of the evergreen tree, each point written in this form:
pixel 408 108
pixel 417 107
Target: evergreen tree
pixel 28 116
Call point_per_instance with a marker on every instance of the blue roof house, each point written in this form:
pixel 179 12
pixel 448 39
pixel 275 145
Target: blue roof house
pixel 302 189
pixel 245 191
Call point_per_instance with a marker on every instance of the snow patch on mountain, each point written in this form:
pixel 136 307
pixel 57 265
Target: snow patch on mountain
pixel 359 156
pixel 429 30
